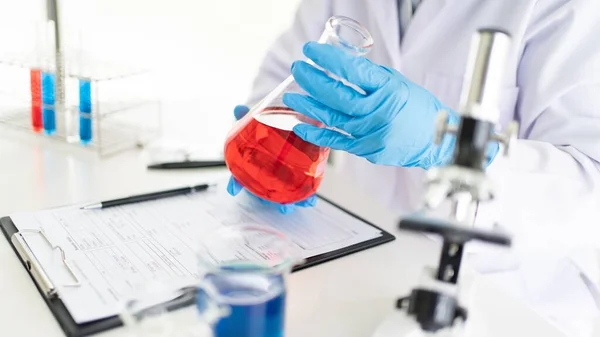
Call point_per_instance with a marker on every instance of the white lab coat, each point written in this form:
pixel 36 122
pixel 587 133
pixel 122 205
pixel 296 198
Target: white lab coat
pixel 548 191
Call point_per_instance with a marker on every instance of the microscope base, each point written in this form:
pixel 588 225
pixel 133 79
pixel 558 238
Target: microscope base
pixel 398 324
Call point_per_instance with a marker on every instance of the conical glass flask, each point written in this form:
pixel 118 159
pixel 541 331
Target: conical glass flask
pixel 262 152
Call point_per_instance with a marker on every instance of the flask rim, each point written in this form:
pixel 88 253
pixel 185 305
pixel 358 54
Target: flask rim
pixel 289 254
pixel 340 20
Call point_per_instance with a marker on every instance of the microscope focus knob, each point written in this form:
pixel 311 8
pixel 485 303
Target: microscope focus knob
pixel 442 127
pixel 509 137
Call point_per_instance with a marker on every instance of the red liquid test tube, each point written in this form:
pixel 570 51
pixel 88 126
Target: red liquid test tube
pixel 36 100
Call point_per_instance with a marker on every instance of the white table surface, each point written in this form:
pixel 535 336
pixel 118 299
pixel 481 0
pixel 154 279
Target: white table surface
pixel 348 297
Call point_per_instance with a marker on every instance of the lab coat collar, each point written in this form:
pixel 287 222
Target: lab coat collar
pixel 423 23
pixel 385 16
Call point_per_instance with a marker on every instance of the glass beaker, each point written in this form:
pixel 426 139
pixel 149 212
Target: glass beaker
pixel 164 309
pixel 243 269
pixel 263 153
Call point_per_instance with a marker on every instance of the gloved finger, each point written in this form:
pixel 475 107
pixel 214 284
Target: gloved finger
pixel 281 208
pixel 357 70
pixel 323 137
pixel 308 202
pixel 491 153
pixel 286 209
pixel 316 110
pixel 327 90
pixel 233 187
pixel 355 126
pixel 240 111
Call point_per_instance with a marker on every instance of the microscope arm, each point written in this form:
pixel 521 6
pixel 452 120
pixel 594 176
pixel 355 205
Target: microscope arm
pixel 464 182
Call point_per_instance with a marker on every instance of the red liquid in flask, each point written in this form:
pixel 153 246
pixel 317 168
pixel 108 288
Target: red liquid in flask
pixel 273 163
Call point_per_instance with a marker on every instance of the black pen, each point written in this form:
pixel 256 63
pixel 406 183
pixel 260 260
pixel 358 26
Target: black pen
pixel 147 197
pixel 188 164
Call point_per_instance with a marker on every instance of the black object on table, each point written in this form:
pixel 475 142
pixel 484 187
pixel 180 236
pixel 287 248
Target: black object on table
pixel 147 197
pixel 187 164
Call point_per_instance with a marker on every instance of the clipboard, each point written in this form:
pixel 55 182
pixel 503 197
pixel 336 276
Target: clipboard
pixel 73 329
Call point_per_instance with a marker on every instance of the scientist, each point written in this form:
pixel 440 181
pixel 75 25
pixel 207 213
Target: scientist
pixel 548 189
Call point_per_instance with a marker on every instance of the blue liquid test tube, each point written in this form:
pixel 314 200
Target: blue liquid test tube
pixel 85 111
pixel 48 112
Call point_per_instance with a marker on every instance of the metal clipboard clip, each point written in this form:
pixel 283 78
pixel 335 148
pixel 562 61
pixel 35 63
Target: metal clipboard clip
pixel 35 268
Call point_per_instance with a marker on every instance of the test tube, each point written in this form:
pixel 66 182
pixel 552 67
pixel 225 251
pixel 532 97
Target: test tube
pixel 48 111
pixel 85 111
pixel 36 99
pixel 55 19
pixel 35 73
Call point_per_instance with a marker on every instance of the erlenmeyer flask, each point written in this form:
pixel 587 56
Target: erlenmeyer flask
pixel 262 152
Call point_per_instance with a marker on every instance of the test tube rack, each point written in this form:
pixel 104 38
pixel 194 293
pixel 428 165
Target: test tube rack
pixel 111 108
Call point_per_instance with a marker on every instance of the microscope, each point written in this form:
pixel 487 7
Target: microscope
pixel 432 308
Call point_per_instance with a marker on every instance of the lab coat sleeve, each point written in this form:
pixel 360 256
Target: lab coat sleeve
pixel 307 25
pixel 548 190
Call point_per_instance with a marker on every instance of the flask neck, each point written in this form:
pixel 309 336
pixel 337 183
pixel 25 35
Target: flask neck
pixel 347 35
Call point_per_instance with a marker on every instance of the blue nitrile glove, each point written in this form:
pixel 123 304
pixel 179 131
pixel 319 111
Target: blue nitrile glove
pixel 234 187
pixel 392 124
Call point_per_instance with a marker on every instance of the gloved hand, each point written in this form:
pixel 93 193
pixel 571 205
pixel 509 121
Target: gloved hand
pixel 393 123
pixel 234 187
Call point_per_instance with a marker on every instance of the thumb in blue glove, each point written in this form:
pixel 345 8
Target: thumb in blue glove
pixel 392 123
pixel 234 187
pixel 240 111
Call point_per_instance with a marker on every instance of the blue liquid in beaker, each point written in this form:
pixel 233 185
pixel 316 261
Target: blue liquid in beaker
pixel 256 302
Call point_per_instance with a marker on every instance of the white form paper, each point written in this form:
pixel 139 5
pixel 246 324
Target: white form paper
pixel 114 249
